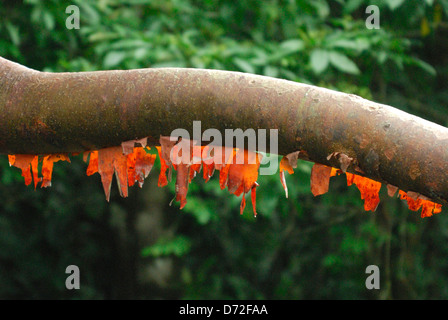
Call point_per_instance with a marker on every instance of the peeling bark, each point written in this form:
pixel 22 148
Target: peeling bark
pixel 43 113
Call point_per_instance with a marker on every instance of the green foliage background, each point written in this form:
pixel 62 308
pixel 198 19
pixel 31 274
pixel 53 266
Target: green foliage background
pixel 297 248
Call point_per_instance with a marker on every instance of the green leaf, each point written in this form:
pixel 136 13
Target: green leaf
pixel 13 33
pixel 319 60
pixel 394 4
pixel 381 56
pixel 140 53
pixel 285 49
pixel 322 7
pixel 423 65
pixel 261 58
pixel 48 20
pixel 178 246
pixel 200 209
pixel 114 58
pixel 357 45
pixel 444 4
pixel 292 46
pixel 343 63
pixel 129 44
pixel 352 5
pixel 271 71
pixel 344 43
pixel 88 12
pixel 243 65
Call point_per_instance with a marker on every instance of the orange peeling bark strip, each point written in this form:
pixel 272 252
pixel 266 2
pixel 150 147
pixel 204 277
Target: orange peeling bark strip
pixel 238 172
pixel 182 183
pixel 128 146
pixel 93 163
pixel 283 181
pixel 47 167
pixel 344 160
pixel 166 144
pixel 253 196
pixel 238 169
pixel 320 179
pixel 391 190
pixel 143 164
pixel 128 169
pixel 34 168
pixel 243 204
pixel 182 163
pixel 243 171
pixel 208 166
pixel 23 162
pixel 243 175
pixel 285 166
pixel 130 163
pixel 207 171
pixel 428 207
pixel 369 190
pixel 47 170
pixel 163 181
pixel 194 170
pixel 223 165
pixel 113 161
pixel 335 172
pixel 11 159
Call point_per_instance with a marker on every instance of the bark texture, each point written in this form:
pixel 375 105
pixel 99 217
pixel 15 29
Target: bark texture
pixel 43 113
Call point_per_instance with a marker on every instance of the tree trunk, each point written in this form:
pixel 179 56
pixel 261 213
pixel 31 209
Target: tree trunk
pixel 43 113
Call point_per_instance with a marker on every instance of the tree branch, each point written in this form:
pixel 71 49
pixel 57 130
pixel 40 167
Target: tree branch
pixel 43 113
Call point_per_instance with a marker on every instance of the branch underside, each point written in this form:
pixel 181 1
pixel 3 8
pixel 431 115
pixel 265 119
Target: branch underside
pixel 46 113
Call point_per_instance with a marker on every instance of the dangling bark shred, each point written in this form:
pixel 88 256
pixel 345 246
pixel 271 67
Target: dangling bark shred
pixel 285 166
pixel 369 190
pixel 238 171
pixel 320 179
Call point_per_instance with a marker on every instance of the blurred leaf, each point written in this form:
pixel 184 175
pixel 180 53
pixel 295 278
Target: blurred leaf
pixel 343 63
pixel 292 46
pixel 128 44
pixel 422 64
pixel 381 56
pixel 243 65
pixel 48 20
pixel 88 12
pixel 113 58
pixel 271 71
pixel 444 4
pixel 178 246
pixel 261 57
pixel 352 5
pixel 394 4
pixel 13 33
pixel 201 209
pixel 358 44
pixel 319 60
pixel 322 7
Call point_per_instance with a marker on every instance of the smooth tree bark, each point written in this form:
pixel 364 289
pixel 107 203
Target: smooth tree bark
pixel 42 113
